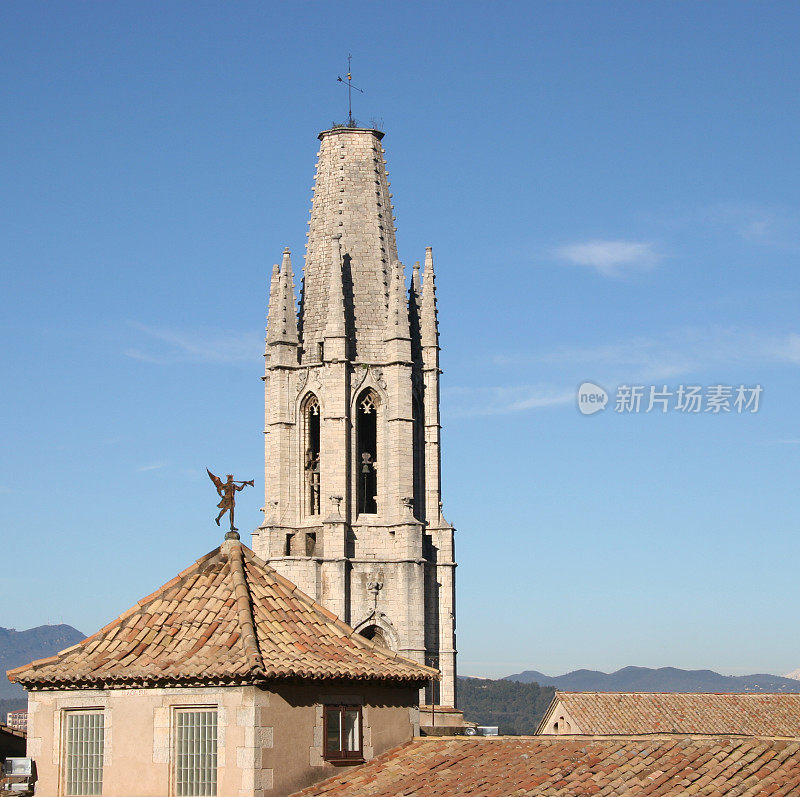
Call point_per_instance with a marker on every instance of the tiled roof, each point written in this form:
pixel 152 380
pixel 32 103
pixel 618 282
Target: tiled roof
pixel 229 618
pixel 572 766
pixel 611 713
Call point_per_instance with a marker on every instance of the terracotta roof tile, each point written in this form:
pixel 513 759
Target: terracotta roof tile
pixel 742 714
pixel 229 618
pixel 659 766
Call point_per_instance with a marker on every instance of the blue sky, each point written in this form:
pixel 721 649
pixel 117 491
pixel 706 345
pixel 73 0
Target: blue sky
pixel 611 193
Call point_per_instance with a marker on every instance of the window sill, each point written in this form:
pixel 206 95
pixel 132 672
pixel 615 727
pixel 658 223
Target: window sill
pixel 343 762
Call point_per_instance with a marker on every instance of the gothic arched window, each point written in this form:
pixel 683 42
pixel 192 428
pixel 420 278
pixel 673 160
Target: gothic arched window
pixel 367 452
pixel 311 449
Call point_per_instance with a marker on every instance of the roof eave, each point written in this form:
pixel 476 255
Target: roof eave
pixel 261 680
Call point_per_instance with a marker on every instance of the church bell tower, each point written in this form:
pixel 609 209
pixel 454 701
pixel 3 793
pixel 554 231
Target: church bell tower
pixel 353 511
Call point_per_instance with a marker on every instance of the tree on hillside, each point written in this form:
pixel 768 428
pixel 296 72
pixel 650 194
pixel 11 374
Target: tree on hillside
pixel 514 707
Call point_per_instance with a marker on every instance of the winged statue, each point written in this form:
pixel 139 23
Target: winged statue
pixel 227 492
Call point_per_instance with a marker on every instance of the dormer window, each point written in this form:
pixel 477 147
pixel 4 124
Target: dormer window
pixel 343 735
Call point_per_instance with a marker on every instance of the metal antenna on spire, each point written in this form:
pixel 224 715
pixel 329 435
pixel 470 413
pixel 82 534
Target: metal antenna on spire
pixel 350 121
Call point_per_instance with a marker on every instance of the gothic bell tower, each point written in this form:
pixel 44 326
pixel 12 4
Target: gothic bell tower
pixel 352 510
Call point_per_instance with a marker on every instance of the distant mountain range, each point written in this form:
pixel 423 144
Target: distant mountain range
pixel 20 647
pixel 663 679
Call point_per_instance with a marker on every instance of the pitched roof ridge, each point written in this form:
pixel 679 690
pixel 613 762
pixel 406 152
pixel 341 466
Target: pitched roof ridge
pixel 746 714
pixel 244 608
pixel 207 626
pixel 142 603
pixel 330 617
pixel 117 621
pixel 138 606
pixel 10 674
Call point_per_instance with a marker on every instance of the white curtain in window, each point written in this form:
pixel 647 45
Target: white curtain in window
pixel 352 732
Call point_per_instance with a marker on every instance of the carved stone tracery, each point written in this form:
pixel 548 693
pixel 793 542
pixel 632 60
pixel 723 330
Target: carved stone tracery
pixel 377 378
pixel 308 376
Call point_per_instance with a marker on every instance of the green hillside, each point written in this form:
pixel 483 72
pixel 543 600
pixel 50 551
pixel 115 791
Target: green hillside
pixel 515 708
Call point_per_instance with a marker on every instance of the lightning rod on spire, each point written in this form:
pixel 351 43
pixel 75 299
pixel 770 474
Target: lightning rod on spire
pixel 350 121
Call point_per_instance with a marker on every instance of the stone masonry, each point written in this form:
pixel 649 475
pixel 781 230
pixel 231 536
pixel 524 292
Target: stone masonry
pixel 352 510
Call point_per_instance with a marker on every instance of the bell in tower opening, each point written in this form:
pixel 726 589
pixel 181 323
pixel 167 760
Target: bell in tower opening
pixel 367 447
pixel 312 485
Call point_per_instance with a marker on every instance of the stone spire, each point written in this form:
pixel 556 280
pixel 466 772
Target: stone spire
pixel 351 199
pixel 414 309
pixel 429 319
pixel 416 284
pixel 273 286
pixel 397 321
pixel 282 321
pixel 273 302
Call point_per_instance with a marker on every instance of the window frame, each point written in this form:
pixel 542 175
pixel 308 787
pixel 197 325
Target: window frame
pixel 67 714
pixel 174 751
pixel 342 756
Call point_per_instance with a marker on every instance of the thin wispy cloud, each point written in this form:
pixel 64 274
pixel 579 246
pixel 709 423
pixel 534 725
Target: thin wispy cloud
pixel 165 346
pixel 612 259
pixel 639 360
pixel 777 227
pixel 684 351
pixel 464 402
pixel 153 466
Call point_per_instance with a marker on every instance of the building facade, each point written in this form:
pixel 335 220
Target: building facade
pixel 17 719
pixel 353 511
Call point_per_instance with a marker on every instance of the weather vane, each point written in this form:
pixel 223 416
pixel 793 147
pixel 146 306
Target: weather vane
pixel 227 491
pixel 350 121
